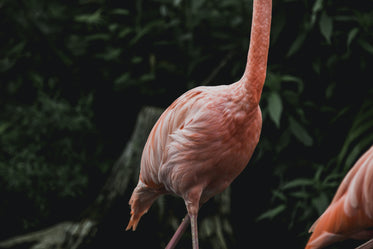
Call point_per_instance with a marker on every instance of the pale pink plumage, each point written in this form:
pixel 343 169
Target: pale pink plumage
pixel 350 214
pixel 206 137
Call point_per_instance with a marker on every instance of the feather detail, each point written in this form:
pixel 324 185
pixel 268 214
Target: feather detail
pixel 324 239
pixel 141 200
pixel 350 213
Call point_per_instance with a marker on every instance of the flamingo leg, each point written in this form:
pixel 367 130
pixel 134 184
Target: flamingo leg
pixel 194 226
pixel 192 203
pixel 179 232
pixel 366 245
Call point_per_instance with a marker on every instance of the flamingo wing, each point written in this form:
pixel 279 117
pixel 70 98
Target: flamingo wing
pixel 350 213
pixel 175 118
pixel 149 188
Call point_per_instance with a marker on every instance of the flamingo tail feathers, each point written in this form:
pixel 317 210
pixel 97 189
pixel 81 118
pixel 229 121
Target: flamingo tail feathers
pixel 141 200
pixel 326 230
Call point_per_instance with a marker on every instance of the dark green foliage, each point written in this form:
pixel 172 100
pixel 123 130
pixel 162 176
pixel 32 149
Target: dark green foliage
pixel 44 157
pixel 74 74
pixel 326 114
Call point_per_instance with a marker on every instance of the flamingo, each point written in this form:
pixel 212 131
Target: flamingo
pixel 206 137
pixel 350 214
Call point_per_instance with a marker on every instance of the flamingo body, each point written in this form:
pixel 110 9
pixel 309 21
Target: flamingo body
pixel 206 137
pixel 350 214
pixel 200 143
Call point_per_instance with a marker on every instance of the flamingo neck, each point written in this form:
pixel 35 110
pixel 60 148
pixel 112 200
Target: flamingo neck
pixel 256 66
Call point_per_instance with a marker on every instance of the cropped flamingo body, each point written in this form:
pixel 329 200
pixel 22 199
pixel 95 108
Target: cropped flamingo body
pixel 207 136
pixel 350 214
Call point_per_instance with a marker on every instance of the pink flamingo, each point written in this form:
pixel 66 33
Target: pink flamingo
pixel 350 214
pixel 206 137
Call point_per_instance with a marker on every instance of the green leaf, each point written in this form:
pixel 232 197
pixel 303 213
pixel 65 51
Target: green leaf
pixel 92 18
pixel 122 79
pixel 317 7
pixel 119 11
pixel 326 26
pixel 270 214
pixel 300 182
pixel 17 49
pixel 9 59
pixel 275 107
pixel 300 132
pixel 359 136
pixel 273 82
pixel 300 194
pixel 145 30
pixel 297 44
pixel 351 36
pixel 291 78
pixel 320 203
pixel 4 127
pixel 366 46
pixel 98 36
pixel 277 29
pixel 357 151
pixel 110 54
pixel 279 194
pixel 124 32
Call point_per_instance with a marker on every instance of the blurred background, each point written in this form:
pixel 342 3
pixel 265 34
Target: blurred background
pixel 75 74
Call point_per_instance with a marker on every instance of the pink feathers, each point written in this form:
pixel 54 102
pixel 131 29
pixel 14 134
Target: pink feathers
pixel 350 213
